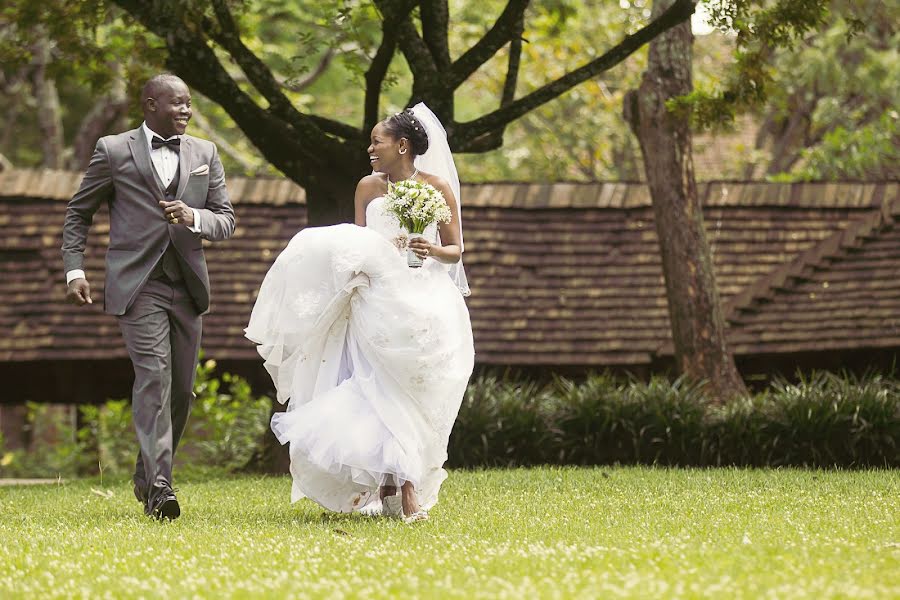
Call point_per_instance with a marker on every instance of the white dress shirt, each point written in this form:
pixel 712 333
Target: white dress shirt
pixel 165 163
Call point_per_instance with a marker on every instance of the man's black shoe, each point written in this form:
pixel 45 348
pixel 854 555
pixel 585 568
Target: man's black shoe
pixel 165 507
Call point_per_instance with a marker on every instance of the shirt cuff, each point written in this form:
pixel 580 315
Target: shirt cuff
pixel 74 274
pixel 196 227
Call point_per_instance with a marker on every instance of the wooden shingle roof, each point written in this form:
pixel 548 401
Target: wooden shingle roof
pixel 843 293
pixel 562 274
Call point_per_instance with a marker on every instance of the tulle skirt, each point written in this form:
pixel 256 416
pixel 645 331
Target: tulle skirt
pixel 373 358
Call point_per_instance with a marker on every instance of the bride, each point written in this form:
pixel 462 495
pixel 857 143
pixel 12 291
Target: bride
pixel 372 356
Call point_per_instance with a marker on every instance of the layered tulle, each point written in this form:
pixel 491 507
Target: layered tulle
pixel 373 359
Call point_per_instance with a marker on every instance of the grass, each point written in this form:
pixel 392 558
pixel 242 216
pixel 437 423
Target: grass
pixel 543 532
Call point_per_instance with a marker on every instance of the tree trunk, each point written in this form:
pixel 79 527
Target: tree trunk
pixel 335 203
pixel 698 329
pixel 105 117
pixel 49 115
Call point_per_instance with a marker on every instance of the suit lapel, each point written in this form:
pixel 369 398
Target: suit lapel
pixel 184 166
pixel 138 145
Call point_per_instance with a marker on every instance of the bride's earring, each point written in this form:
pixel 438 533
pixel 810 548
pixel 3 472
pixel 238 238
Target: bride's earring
pixel 402 151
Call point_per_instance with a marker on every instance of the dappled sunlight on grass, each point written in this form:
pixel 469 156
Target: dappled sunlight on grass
pixel 551 532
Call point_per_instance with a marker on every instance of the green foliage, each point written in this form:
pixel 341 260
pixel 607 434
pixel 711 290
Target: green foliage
pixel 844 51
pixel 825 420
pixel 870 152
pixel 108 434
pixel 53 450
pixel 824 76
pixel 227 422
pixel 94 46
pixel 831 110
pixel 502 422
pixel 580 135
pixel 761 28
pixel 649 422
pixel 830 420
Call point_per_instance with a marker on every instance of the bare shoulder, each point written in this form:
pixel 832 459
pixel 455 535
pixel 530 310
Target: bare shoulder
pixel 370 187
pixel 439 183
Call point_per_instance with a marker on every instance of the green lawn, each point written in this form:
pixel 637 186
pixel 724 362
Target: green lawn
pixel 555 533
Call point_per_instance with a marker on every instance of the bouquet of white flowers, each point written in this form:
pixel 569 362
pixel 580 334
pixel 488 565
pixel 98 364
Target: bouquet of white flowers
pixel 416 205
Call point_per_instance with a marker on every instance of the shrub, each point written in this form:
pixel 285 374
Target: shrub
pixel 824 420
pixel 227 422
pixel 107 433
pixel 502 422
pixel 53 450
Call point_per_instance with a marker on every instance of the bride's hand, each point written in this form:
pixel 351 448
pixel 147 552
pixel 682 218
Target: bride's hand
pixel 422 247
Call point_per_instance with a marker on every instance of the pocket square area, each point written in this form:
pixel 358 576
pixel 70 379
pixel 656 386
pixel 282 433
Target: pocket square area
pixel 201 170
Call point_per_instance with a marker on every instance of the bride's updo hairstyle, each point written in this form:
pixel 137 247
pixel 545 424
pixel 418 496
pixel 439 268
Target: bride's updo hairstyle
pixel 406 125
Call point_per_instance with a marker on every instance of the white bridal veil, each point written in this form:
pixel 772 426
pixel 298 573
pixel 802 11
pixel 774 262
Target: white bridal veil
pixel 438 160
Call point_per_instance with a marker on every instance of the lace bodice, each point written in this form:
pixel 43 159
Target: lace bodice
pixel 377 219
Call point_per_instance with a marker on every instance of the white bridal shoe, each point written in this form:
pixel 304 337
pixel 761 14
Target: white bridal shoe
pixel 392 507
pixel 419 515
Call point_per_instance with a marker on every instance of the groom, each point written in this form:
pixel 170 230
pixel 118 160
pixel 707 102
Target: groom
pixel 166 192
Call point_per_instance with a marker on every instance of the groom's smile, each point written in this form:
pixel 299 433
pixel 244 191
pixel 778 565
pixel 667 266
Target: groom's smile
pixel 168 108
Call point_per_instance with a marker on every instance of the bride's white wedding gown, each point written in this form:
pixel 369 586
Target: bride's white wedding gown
pixel 372 356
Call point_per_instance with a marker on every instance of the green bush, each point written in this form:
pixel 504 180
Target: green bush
pixel 824 420
pixel 227 421
pixel 53 450
pixel 107 433
pixel 502 423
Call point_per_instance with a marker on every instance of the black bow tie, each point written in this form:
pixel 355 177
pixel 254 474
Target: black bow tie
pixel 173 143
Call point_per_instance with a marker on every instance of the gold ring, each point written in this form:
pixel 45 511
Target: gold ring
pixel 175 220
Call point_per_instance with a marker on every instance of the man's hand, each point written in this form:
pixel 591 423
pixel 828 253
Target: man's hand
pixel 177 213
pixel 79 292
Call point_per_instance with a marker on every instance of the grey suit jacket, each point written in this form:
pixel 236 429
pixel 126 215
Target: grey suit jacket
pixel 121 174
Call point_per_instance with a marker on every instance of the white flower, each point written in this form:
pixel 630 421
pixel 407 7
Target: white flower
pixel 416 205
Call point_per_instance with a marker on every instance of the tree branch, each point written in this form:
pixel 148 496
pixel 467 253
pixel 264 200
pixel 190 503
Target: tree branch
pixel 502 32
pixel 335 128
pixel 416 52
pixel 304 159
pixel 228 36
pixel 414 49
pixel 435 21
pixel 375 77
pixel 465 134
pixel 512 68
pixel 299 86
pixel 494 139
pixel 393 14
pixel 224 145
